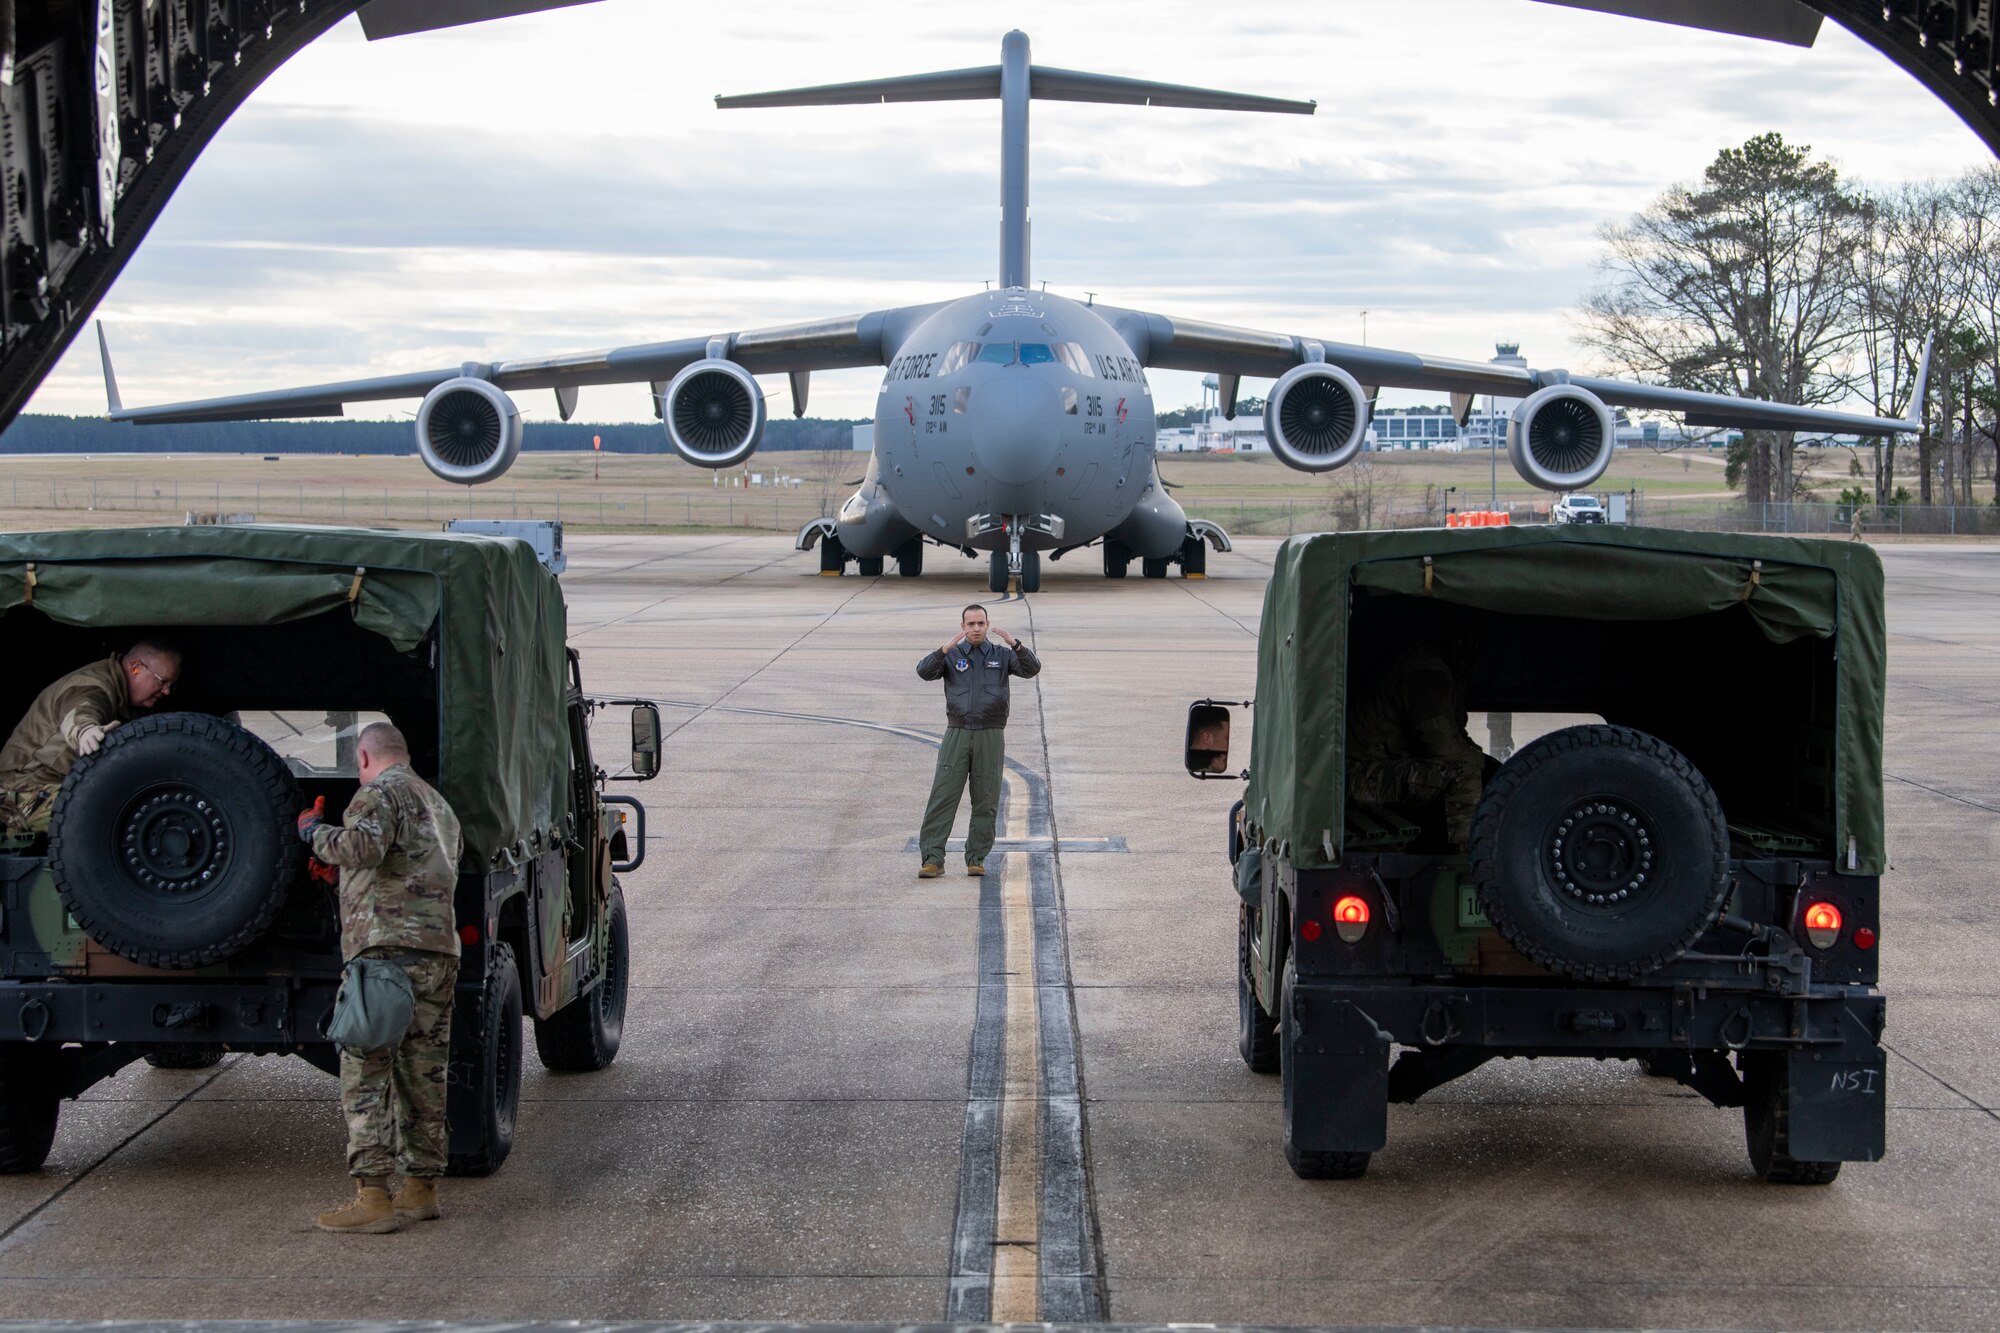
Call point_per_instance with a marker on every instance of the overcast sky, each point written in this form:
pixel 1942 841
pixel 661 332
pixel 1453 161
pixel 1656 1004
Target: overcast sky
pixel 563 182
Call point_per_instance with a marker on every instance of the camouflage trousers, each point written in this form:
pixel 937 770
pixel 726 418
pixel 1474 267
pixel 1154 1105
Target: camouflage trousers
pixel 1393 782
pixel 27 809
pixel 394 1097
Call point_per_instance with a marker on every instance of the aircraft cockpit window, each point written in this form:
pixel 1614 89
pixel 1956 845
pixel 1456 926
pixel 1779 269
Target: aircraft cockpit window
pixel 1073 356
pixel 1036 354
pixel 997 354
pixel 957 357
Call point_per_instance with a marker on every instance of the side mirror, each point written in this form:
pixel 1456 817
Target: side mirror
pixel 646 741
pixel 1208 740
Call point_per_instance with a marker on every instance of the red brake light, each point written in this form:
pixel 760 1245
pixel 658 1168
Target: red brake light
pixel 1309 929
pixel 1823 925
pixel 1864 938
pixel 468 934
pixel 1350 918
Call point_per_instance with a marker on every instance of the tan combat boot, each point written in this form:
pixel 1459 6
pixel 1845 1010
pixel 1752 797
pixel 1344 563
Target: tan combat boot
pixel 931 870
pixel 975 869
pixel 418 1200
pixel 371 1213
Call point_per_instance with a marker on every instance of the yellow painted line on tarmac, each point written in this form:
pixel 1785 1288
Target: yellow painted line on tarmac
pixel 1018 1209
pixel 1017 804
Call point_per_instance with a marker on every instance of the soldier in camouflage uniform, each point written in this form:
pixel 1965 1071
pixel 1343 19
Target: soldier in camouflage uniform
pixel 397 850
pixel 69 719
pixel 1407 744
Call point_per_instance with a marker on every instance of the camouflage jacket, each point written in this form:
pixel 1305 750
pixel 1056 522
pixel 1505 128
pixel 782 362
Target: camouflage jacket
pixel 42 749
pixel 397 849
pixel 1415 710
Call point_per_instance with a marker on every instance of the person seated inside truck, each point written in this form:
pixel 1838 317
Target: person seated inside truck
pixel 1407 747
pixel 70 719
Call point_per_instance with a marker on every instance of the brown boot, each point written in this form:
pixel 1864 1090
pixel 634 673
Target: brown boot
pixel 369 1214
pixel 975 869
pixel 931 870
pixel 418 1201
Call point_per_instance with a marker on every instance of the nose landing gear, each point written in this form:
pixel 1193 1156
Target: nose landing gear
pixel 1014 570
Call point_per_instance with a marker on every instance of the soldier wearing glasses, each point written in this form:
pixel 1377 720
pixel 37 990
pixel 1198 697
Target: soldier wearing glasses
pixel 70 719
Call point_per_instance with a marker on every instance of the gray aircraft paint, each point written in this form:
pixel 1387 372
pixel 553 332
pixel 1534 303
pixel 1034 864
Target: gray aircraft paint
pixel 1044 455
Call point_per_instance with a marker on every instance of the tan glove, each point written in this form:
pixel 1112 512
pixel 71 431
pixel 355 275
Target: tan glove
pixel 91 737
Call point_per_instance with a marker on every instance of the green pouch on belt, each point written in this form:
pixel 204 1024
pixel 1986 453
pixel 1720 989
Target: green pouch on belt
pixel 374 1006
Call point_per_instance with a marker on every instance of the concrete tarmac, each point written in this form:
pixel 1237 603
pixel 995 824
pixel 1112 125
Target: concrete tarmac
pixel 849 1094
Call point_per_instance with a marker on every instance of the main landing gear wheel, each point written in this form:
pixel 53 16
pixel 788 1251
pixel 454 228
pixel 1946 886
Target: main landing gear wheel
pixel 1117 557
pixel 1600 853
pixel 910 558
pixel 868 566
pixel 1155 569
pixel 832 555
pixel 1194 558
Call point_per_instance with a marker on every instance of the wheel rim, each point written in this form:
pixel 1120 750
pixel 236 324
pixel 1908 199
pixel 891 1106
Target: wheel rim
pixel 1601 852
pixel 174 841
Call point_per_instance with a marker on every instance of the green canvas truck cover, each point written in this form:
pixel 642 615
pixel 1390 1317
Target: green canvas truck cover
pixel 1790 586
pixel 497 613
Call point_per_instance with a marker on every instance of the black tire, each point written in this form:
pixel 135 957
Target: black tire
pixel 1154 569
pixel 1256 1029
pixel 29 1107
pixel 1766 1096
pixel 1307 1165
pixel 1600 853
pixel 996 572
pixel 1194 558
pixel 910 558
pixel 186 1057
pixel 174 844
pixel 868 566
pixel 484 1099
pixel 1031 571
pixel 1117 557
pixel 584 1034
pixel 832 555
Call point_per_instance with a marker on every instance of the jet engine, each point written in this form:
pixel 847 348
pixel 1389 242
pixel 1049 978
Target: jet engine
pixel 468 431
pixel 1316 417
pixel 1560 438
pixel 714 413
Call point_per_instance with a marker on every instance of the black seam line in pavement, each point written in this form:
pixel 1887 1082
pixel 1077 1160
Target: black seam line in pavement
pixel 1937 791
pixel 113 1151
pixel 1942 1080
pixel 586 575
pixel 685 592
pixel 1218 610
pixel 774 659
pixel 1946 694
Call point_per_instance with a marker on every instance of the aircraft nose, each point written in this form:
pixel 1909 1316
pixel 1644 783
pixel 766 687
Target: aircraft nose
pixel 1020 429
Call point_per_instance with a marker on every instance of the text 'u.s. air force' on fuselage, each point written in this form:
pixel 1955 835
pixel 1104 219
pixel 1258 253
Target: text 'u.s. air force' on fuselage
pixel 1013 422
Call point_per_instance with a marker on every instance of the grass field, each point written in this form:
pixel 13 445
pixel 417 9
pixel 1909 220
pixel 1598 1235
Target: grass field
pixel 1248 494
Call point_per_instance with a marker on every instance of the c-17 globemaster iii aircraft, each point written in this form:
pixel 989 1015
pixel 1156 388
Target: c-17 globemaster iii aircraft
pixel 1012 421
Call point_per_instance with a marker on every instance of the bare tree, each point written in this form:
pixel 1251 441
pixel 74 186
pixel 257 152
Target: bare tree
pixel 1742 283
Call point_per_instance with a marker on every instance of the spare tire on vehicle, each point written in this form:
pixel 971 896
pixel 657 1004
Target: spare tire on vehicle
pixel 174 844
pixel 1600 853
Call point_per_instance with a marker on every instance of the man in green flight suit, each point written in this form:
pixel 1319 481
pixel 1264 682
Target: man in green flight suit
pixel 70 719
pixel 397 848
pixel 1406 740
pixel 975 671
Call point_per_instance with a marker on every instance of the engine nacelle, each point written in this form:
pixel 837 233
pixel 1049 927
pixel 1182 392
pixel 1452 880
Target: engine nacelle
pixel 1560 438
pixel 1316 417
pixel 714 413
pixel 468 431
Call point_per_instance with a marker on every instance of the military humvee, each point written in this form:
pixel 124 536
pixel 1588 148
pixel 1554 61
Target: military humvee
pixel 170 912
pixel 1685 875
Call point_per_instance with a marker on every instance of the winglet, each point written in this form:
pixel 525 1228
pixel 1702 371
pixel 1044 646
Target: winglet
pixel 1916 417
pixel 113 404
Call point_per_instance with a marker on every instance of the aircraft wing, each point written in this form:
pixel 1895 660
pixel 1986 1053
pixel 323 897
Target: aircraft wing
pixel 833 344
pixel 1183 344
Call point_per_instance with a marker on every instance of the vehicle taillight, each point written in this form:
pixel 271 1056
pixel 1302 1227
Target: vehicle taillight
pixel 1350 919
pixel 468 934
pixel 1864 938
pixel 1309 930
pixel 1823 925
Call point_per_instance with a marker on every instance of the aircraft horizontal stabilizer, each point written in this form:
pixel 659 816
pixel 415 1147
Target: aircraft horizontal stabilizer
pixel 399 18
pixel 1044 84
